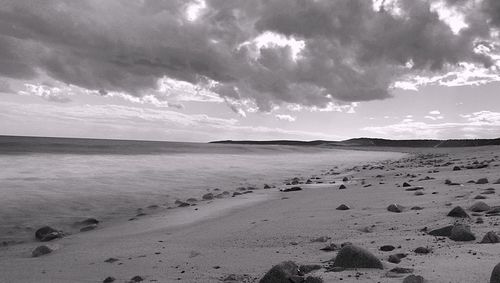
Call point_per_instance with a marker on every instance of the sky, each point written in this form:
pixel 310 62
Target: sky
pixel 205 70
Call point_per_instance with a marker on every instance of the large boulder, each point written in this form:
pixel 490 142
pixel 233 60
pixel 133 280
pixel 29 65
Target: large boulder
pixel 351 256
pixel 414 279
pixel 495 274
pixel 284 272
pixel 47 233
pixel 461 233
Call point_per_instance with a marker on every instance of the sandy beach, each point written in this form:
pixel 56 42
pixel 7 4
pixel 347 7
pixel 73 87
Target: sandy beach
pixel 238 239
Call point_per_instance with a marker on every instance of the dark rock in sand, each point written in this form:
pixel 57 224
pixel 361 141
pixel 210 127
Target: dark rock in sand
pixel 416 208
pixel 236 194
pixel 490 238
pixel 136 278
pixel 266 186
pixel 387 248
pixel 419 193
pixel 493 211
pixel 292 189
pixel 88 221
pixel 88 228
pixel 479 207
pixel 480 197
pixel 395 208
pixel 414 189
pixel 456 168
pixel 308 268
pixel 343 207
pixel 345 179
pixel 342 187
pixel 192 200
pixel 396 258
pixel 482 181
pixel 459 212
pixel 208 196
pixel 461 233
pixel 47 233
pixel 414 279
pixel 405 184
pixel 495 274
pixel 330 248
pixel 422 250
pixel 351 256
pixel 442 232
pixel 450 183
pixel 182 204
pixel 41 250
pixel 109 279
pixel 401 270
pixel 281 273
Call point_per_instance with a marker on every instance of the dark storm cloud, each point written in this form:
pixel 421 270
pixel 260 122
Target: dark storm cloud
pixel 352 52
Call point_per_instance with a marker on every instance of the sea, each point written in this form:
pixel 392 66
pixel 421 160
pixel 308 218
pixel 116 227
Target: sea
pixel 57 181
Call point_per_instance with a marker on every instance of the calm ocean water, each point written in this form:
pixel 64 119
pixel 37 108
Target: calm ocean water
pixel 54 181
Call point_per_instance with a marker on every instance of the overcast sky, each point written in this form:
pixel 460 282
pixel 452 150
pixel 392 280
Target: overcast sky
pixel 239 69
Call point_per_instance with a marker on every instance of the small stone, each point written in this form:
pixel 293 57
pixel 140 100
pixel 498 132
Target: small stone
pixel 343 207
pixel 461 233
pixel 47 233
pixel 442 232
pixel 109 279
pixel 292 189
pixel 479 206
pixel 351 256
pixel 395 208
pixel 330 248
pixel 490 238
pixel 41 250
pixel 405 184
pixel 136 278
pixel 482 181
pixel 458 212
pixel 387 248
pixel 422 250
pixel 342 187
pixel 480 197
pixel 456 168
pixel 414 279
pixel 208 196
pixel 281 273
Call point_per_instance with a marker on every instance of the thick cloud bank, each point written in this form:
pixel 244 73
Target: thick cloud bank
pixel 343 50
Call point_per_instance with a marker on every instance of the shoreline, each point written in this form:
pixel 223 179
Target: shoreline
pixel 245 239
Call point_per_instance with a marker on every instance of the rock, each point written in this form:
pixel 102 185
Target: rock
pixel 414 279
pixel 208 196
pixel 456 168
pixel 47 233
pixel 281 273
pixel 459 212
pixel 342 187
pixel 482 181
pixel 136 278
pixel 480 197
pixel 405 184
pixel 395 208
pixel 182 204
pixel 495 274
pixel 330 248
pixel 343 207
pixel 87 222
pixel 442 232
pixel 88 228
pixel 266 186
pixel 111 260
pixel 292 189
pixel 307 268
pixel 401 270
pixel 422 250
pixel 236 194
pixel 479 207
pixel 416 208
pixel 396 258
pixel 345 179
pixel 311 279
pixel 191 200
pixel 41 250
pixel 450 183
pixel 387 248
pixel 351 256
pixel 461 233
pixel 109 279
pixel 419 193
pixel 490 238
pixel 497 182
pixel 414 189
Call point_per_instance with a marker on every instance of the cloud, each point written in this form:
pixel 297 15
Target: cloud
pixel 269 52
pixel 485 124
pixel 284 117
